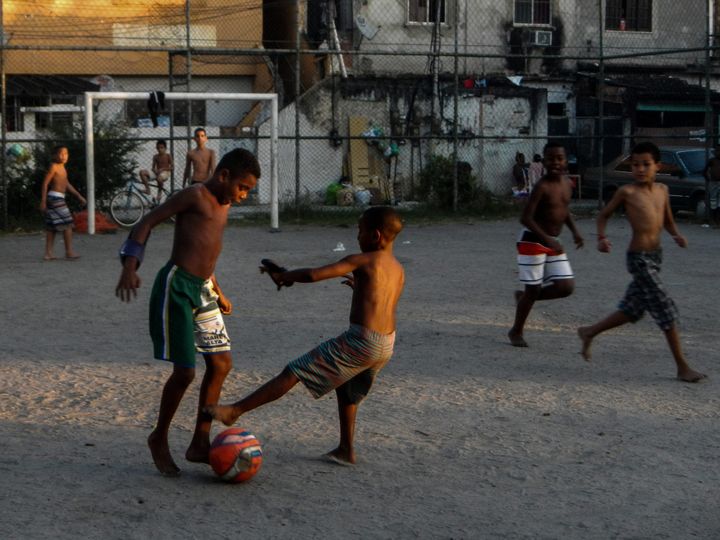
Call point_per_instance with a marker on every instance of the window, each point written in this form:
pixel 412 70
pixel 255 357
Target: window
pixel 532 12
pixel 425 11
pixel 634 15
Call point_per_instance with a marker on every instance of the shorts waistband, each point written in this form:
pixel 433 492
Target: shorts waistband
pixel 371 335
pixel 185 274
pixel 56 194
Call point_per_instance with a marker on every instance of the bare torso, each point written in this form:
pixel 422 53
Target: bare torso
pixel 198 233
pixel 549 204
pixel 645 208
pixel 163 162
pixel 58 178
pixel 202 160
pixel 378 286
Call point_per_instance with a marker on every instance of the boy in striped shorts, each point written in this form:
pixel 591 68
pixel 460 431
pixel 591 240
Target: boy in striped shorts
pixel 348 363
pixel 186 304
pixel 543 266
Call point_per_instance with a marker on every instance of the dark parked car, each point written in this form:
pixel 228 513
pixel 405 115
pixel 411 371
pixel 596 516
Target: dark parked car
pixel 681 170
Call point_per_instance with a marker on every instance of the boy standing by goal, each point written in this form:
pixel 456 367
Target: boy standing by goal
pixel 647 207
pixel 200 162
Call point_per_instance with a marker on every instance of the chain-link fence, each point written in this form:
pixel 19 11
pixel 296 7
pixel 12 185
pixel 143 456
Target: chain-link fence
pixel 382 101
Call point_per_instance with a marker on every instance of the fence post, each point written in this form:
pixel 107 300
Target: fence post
pixel 708 106
pixel 455 110
pixel 3 114
pixel 601 104
pixel 298 36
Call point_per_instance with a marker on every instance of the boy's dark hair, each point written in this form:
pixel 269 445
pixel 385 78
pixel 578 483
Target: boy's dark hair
pixel 537 158
pixel 56 150
pixel 385 219
pixel 239 162
pixel 647 147
pixel 198 130
pixel 159 142
pixel 553 144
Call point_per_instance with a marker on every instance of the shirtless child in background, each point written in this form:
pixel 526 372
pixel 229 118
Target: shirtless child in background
pixel 200 162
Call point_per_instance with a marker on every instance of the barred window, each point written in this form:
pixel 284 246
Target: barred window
pixel 634 15
pixel 425 11
pixel 532 12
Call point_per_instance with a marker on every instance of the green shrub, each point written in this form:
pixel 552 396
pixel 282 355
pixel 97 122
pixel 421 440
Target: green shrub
pixel 436 183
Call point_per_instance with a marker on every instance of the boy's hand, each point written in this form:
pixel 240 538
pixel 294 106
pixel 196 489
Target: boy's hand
pixel 555 245
pixel 127 285
pixel 43 206
pixel 604 245
pixel 579 242
pixel 680 240
pixel 224 304
pixel 83 200
pixel 274 271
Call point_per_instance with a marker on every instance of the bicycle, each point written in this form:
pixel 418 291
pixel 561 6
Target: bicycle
pixel 130 203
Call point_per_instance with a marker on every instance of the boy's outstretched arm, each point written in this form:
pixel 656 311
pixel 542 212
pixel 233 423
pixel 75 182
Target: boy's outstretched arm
pixel 310 275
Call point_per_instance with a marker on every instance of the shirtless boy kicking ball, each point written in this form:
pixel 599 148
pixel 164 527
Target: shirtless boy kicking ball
pixel 647 207
pixel 543 265
pixel 348 363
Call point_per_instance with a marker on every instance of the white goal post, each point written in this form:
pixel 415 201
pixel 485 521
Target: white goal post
pixel 90 97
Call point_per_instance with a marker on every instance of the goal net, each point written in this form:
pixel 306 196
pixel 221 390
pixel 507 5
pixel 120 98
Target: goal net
pixel 267 150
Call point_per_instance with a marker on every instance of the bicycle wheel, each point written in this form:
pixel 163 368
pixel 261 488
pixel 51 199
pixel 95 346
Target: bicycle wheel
pixel 127 207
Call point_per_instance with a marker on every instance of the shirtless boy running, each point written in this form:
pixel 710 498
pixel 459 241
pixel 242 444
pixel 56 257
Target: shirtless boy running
pixel 647 207
pixel 348 363
pixel 200 162
pixel 543 265
pixel 186 304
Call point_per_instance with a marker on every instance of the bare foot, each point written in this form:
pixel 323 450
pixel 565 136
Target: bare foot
pixel 198 453
pixel 72 256
pixel 690 375
pixel 586 339
pixel 340 457
pixel 161 455
pixel 516 340
pixel 49 258
pixel 224 413
pixel 518 296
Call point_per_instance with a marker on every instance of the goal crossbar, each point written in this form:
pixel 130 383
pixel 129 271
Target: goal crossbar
pixel 91 97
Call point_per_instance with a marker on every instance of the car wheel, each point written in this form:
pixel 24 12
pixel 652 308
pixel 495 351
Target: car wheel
pixel 698 208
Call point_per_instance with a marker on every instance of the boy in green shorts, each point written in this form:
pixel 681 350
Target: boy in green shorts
pixel 186 304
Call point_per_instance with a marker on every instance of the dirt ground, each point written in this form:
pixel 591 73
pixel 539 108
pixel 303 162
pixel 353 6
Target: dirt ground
pixel 463 436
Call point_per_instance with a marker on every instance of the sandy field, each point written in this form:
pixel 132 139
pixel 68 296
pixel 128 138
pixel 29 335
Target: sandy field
pixel 463 436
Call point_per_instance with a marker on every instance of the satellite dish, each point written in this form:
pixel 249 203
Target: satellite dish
pixel 367 29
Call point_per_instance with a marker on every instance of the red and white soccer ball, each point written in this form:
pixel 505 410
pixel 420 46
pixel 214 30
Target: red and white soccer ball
pixel 235 455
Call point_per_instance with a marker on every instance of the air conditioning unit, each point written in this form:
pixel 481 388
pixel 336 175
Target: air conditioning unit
pixel 541 38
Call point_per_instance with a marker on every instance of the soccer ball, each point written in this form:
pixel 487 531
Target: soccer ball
pixel 235 455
